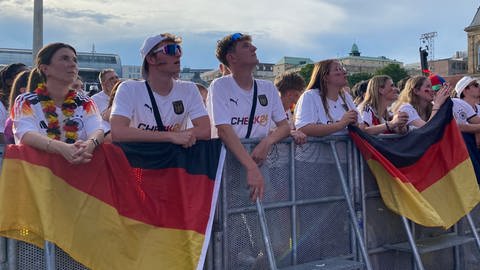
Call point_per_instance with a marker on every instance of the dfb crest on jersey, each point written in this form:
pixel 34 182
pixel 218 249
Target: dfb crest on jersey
pixel 263 100
pixel 178 107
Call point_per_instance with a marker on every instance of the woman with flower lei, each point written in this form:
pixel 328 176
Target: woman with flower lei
pixel 53 117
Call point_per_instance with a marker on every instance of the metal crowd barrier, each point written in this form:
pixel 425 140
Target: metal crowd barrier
pixel 306 218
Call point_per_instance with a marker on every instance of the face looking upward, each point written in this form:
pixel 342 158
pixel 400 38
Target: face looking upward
pixel 244 52
pixel 425 92
pixel 337 75
pixel 165 58
pixel 389 91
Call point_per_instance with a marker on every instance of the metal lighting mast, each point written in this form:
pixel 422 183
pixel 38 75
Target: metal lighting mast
pixel 37 28
pixel 427 41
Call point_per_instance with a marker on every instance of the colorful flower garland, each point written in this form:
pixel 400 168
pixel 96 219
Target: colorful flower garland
pixel 49 110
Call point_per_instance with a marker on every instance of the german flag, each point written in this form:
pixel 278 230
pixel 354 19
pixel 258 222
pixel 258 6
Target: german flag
pixel 426 175
pixel 153 210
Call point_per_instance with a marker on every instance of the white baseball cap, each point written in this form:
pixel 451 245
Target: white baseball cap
pixel 462 84
pixel 147 46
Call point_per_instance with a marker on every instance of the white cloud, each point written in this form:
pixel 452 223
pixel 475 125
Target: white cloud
pixel 308 28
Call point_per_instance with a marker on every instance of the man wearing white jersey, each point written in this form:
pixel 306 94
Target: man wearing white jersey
pixel 243 107
pixel 107 78
pixel 158 108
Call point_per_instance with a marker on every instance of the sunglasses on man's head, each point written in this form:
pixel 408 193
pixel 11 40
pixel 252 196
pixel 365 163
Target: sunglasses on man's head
pixel 236 37
pixel 170 49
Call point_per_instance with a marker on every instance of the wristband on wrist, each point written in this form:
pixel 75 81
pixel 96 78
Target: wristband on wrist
pixel 95 142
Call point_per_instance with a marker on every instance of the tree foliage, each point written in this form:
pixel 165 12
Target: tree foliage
pixel 394 71
pixel 306 72
pixel 358 77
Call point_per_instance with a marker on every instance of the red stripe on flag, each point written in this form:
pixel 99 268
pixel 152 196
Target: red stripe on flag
pixel 446 154
pixel 135 193
pixel 422 175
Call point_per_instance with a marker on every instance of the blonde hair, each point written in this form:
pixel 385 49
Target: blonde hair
pixel 372 96
pixel 408 95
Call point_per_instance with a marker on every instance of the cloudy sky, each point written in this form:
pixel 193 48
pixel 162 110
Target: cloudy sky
pixel 318 29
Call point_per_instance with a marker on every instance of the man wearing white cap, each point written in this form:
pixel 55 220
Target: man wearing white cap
pixel 159 103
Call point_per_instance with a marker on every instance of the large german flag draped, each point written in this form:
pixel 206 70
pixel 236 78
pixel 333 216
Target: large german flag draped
pixel 427 175
pixel 154 212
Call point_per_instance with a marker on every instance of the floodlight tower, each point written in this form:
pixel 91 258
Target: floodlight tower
pixel 428 40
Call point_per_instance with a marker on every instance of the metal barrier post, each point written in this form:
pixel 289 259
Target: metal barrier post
pixel 3 250
pixel 12 248
pixel 351 211
pixel 265 235
pixel 293 198
pixel 416 255
pixel 474 230
pixel 49 255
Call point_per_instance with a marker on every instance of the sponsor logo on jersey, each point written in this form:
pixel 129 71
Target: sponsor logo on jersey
pixel 258 119
pixel 263 100
pixel 143 126
pixel 234 101
pixel 148 107
pixel 178 107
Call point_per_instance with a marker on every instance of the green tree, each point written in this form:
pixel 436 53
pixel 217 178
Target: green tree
pixel 395 71
pixel 358 77
pixel 306 72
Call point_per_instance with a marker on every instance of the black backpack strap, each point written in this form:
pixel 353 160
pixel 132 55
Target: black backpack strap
pixel 252 112
pixel 156 113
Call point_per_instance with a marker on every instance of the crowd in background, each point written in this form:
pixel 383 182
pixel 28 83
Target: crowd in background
pixel 47 108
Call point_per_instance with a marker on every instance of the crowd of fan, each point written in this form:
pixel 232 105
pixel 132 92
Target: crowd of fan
pixel 47 108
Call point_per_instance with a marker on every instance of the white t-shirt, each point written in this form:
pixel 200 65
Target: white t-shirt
pixel 102 99
pixel 370 118
pixel 183 103
pixel 412 114
pixel 3 117
pixel 462 111
pixel 29 116
pixel 227 103
pixel 309 110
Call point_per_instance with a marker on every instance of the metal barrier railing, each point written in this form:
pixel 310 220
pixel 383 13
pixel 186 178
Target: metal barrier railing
pixel 306 216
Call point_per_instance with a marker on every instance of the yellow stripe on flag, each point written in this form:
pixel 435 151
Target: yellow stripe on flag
pixel 453 195
pixel 442 204
pixel 403 198
pixel 91 231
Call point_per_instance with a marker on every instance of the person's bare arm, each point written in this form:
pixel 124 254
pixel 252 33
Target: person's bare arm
pixel 122 132
pixel 255 179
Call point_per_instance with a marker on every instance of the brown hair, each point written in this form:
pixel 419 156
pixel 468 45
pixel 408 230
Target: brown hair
pixel 7 76
pixel 112 93
pixel 44 57
pixel 289 81
pixel 20 81
pixel 226 45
